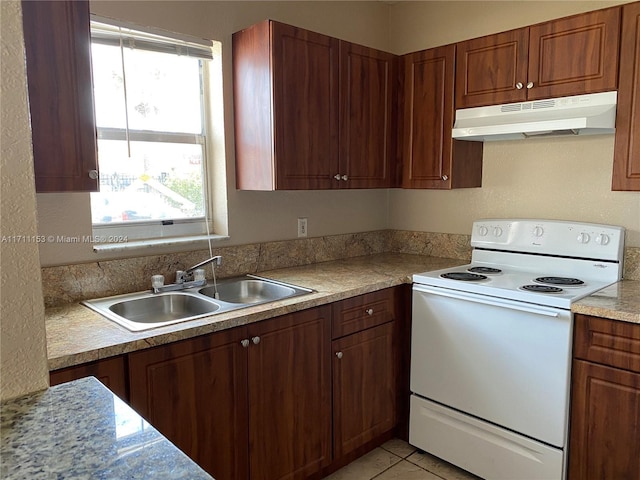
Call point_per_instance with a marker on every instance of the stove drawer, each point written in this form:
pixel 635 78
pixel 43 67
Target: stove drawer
pixel 609 342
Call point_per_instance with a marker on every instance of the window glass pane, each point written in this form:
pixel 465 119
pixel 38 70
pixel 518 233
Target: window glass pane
pixel 163 90
pixel 159 181
pixel 108 86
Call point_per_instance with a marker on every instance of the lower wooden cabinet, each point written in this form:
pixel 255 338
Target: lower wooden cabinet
pixel 110 371
pixel 605 406
pixel 364 387
pixel 250 402
pixel 195 393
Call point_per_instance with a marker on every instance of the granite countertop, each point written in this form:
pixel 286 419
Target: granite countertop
pixel 76 334
pixel 620 301
pixel 80 430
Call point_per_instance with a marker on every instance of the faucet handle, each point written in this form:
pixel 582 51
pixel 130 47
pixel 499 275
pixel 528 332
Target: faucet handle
pixel 180 276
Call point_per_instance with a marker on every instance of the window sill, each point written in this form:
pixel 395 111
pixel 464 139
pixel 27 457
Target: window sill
pixel 155 242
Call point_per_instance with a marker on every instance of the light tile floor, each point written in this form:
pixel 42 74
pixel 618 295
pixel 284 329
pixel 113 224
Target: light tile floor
pixel 397 460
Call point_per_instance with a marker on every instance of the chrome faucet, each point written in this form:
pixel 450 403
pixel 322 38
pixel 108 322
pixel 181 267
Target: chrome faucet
pixel 217 259
pixel 185 278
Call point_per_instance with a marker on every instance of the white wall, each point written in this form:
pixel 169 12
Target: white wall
pixel 23 351
pixel 561 178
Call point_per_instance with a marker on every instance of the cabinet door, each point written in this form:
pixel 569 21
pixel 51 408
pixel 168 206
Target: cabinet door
pixel 110 372
pixel 58 51
pixel 290 395
pixel 626 161
pixel 194 392
pixel 367 128
pixel 305 108
pixel 605 423
pixel 492 70
pixel 431 158
pixel 574 55
pixel 364 387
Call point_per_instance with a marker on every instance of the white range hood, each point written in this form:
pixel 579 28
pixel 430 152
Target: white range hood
pixel 578 115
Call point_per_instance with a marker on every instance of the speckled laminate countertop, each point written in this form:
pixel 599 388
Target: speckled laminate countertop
pixel 80 430
pixel 620 301
pixel 76 334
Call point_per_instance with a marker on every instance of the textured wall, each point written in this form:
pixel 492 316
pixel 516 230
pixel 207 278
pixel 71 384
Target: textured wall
pixel 23 354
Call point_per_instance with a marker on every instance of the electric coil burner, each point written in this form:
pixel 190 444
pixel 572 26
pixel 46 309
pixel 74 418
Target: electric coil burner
pixel 564 281
pixel 542 288
pixel 491 345
pixel 463 276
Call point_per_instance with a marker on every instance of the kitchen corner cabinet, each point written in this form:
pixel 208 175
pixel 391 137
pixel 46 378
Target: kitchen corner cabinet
pixel 111 372
pixel 251 402
pixel 540 61
pixel 59 80
pixel 430 157
pixel 311 111
pixel 365 370
pixel 605 406
pixel 626 159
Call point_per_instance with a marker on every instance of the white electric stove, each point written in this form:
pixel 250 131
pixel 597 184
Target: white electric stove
pixel 491 345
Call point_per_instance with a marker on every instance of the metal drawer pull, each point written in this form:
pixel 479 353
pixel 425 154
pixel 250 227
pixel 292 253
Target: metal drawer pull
pixel 369 311
pixel 519 85
pixel 255 340
pixel 245 343
pixel 339 354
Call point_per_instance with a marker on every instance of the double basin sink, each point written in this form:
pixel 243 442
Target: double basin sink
pixel 146 310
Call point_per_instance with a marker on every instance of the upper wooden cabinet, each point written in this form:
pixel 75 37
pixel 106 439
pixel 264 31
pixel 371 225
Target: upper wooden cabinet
pixel 311 111
pixel 58 51
pixel 569 56
pixel 626 160
pixel 431 158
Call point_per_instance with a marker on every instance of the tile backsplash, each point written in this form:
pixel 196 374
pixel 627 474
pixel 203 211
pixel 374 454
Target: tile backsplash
pixel 73 283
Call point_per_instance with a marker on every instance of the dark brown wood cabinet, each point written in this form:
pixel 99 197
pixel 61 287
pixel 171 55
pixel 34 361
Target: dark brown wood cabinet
pixel 311 111
pixel 430 157
pixel 626 159
pixel 365 370
pixel 605 405
pixel 111 372
pixel 569 56
pixel 250 402
pixel 195 393
pixel 289 378
pixel 59 79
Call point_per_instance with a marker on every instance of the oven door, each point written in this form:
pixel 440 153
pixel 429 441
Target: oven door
pixel 501 361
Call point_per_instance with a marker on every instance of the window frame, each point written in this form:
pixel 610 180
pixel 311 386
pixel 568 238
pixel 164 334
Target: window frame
pixel 143 232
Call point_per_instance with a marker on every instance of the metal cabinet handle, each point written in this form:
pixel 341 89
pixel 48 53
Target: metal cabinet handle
pixel 337 176
pixel 345 178
pixel 93 174
pixel 519 85
pixel 245 343
pixel 530 85
pixel 369 311
pixel 445 177
pixel 255 340
pixel 339 355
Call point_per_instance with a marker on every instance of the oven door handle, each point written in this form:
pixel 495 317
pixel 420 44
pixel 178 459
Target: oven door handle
pixel 486 301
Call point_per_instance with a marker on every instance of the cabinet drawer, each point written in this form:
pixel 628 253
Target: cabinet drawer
pixel 362 312
pixel 608 342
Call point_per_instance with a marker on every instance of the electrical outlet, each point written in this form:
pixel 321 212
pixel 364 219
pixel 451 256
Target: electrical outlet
pixel 302 227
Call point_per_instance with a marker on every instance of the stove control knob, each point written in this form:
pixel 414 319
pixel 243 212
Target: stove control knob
pixel 538 231
pixel 602 239
pixel 497 231
pixel 584 238
pixel 483 231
